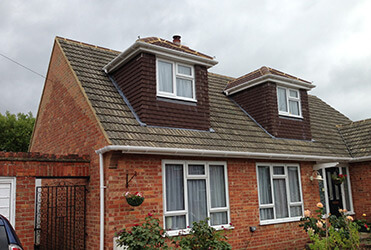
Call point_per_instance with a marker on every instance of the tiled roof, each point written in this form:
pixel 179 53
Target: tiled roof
pixel 258 73
pixel 170 45
pixel 357 136
pixel 234 130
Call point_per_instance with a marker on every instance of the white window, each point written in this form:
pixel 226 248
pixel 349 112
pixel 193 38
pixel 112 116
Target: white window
pixel 175 80
pixel 289 102
pixel 280 196
pixel 194 191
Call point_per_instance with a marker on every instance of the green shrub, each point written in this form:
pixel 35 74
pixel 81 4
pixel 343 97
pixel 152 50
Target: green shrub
pixel 330 231
pixel 202 237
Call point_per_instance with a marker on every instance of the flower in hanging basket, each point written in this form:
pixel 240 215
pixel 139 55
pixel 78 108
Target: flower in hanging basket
pixel 135 199
pixel 338 178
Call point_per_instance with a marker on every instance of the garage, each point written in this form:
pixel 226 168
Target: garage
pixel 7 198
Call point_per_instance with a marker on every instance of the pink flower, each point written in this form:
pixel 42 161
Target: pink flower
pixel 136 225
pixel 319 205
pixel 319 224
pixel 366 226
pixel 127 193
pixel 307 213
pixel 150 215
pixel 350 218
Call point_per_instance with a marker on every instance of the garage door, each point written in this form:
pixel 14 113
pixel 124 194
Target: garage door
pixel 7 198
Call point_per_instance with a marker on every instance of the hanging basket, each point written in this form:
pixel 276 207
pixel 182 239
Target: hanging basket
pixel 338 179
pixel 135 201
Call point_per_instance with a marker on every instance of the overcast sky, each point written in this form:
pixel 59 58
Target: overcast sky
pixel 326 42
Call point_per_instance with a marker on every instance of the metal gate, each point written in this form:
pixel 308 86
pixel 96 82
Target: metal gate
pixel 60 217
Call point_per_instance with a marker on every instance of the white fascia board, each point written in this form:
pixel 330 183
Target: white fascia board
pixel 282 81
pixel 218 153
pixel 361 159
pixel 139 46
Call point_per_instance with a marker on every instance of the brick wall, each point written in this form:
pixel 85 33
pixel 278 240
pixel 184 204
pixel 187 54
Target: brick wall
pixel 261 103
pixel 137 80
pixel 360 176
pixel 66 124
pixel 26 167
pixel 243 198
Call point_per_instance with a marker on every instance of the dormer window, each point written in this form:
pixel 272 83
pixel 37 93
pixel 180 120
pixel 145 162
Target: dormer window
pixel 289 102
pixel 175 80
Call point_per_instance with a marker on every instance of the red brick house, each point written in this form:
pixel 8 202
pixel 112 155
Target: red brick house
pixel 246 152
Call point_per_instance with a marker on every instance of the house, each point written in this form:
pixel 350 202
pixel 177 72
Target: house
pixel 246 152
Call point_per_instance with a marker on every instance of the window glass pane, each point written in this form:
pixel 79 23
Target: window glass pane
pixel 197 207
pixel 321 185
pixel 265 193
pixel 295 211
pixel 294 93
pixel 282 99
pixel 294 184
pixel 218 218
pixel 217 186
pixel 174 187
pixel 184 70
pixel 294 107
pixel 280 198
pixel 266 213
pixel 184 88
pixel 196 169
pixel 278 170
pixel 175 222
pixel 346 191
pixel 165 76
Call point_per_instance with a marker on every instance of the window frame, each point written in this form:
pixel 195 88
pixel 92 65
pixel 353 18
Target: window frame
pixel 176 75
pixel 187 177
pixel 287 184
pixel 288 99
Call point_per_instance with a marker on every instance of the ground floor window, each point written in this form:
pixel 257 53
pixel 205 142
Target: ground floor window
pixel 194 191
pixel 335 195
pixel 280 195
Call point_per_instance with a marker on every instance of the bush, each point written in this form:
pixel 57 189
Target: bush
pixel 202 237
pixel 330 232
pixel 149 235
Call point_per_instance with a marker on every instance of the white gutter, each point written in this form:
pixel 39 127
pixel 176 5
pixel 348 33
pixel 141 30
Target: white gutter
pixel 140 46
pixel 361 159
pixel 288 82
pixel 102 187
pixel 218 153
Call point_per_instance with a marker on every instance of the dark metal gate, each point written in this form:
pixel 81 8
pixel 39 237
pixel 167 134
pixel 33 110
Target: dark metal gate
pixel 60 217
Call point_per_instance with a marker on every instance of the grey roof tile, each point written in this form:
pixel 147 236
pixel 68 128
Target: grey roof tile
pixel 234 130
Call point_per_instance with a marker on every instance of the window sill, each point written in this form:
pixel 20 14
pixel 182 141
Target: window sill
pixel 188 230
pixel 291 116
pixel 277 221
pixel 179 98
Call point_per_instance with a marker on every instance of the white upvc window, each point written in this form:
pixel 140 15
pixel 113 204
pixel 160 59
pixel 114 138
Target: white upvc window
pixel 280 194
pixel 289 102
pixel 194 191
pixel 175 80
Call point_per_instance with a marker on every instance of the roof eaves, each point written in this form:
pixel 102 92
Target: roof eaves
pixel 289 82
pixel 140 46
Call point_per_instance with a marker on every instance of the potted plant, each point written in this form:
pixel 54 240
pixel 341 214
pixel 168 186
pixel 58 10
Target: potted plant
pixel 135 199
pixel 338 178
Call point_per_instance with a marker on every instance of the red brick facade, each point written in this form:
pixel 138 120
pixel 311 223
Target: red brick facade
pixel 26 167
pixel 66 124
pixel 243 198
pixel 137 80
pixel 360 179
pixel 261 103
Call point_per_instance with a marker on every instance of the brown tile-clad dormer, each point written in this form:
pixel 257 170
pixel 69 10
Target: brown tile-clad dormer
pixel 135 74
pixel 256 93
